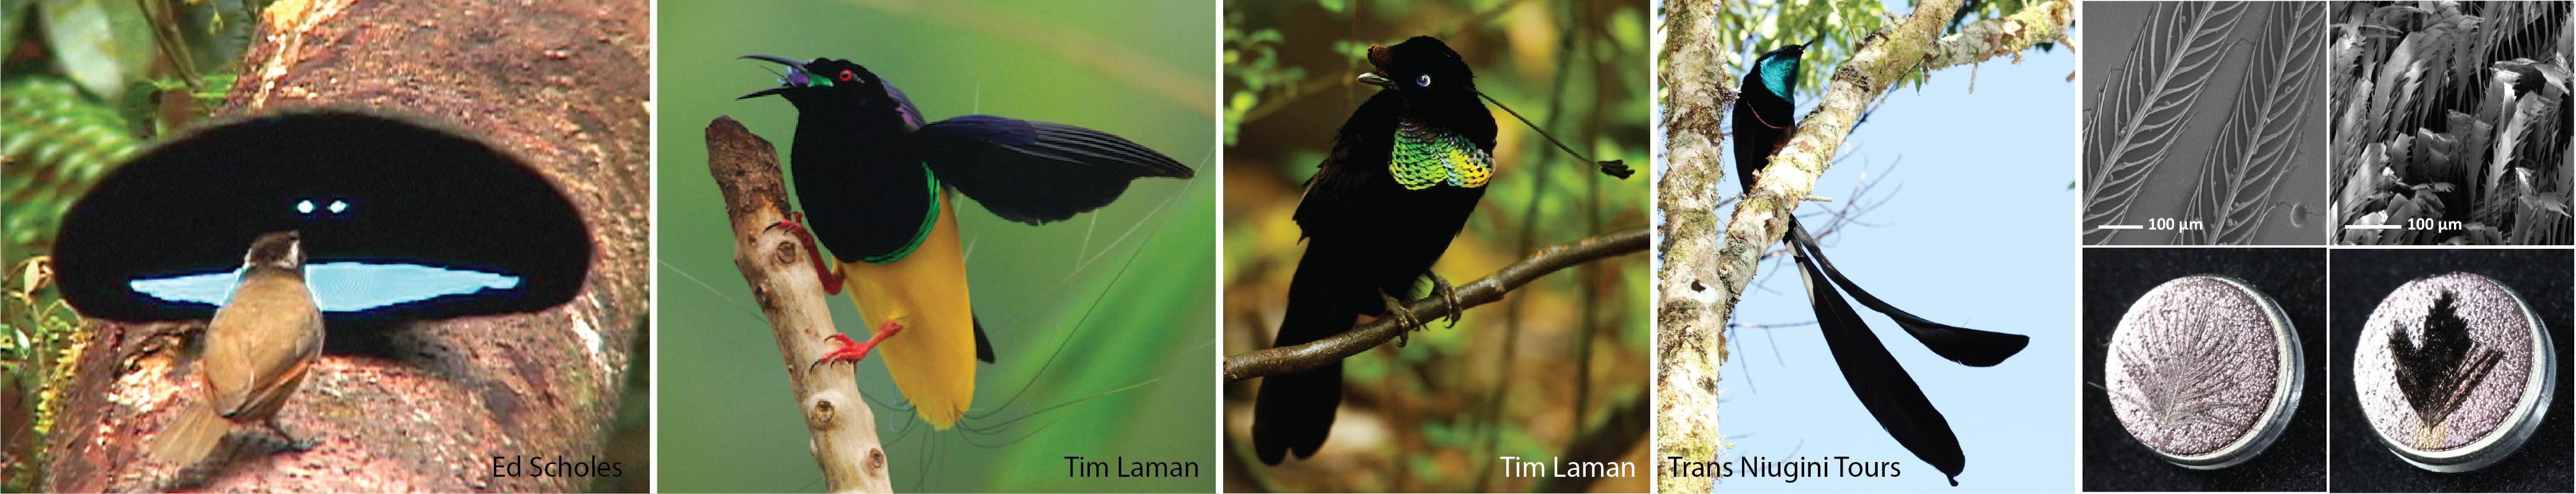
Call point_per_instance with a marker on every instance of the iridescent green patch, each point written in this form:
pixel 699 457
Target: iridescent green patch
pixel 928 219
pixel 1425 156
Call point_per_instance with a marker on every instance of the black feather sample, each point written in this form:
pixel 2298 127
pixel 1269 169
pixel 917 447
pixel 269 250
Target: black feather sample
pixel 2437 375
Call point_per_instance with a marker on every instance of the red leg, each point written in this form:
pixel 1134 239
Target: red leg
pixel 852 351
pixel 831 279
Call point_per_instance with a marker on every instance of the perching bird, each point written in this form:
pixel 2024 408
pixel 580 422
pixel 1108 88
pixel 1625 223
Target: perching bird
pixel 256 352
pixel 875 182
pixel 1763 122
pixel 1405 171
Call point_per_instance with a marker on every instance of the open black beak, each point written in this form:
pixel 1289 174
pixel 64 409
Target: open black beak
pixel 1371 78
pixel 795 75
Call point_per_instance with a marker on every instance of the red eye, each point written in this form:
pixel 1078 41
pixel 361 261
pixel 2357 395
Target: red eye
pixel 845 75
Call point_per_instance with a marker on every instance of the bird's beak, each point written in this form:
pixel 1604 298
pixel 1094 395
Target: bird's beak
pixel 1371 78
pixel 795 75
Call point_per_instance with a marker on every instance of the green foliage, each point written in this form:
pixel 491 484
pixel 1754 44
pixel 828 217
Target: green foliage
pixel 72 111
pixel 40 339
pixel 1252 58
pixel 60 141
pixel 102 44
pixel 1830 28
pixel 2434 131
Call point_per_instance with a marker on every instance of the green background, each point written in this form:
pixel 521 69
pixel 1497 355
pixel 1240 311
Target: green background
pixel 1142 70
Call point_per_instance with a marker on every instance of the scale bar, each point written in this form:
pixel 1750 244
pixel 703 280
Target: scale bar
pixel 2373 227
pixel 2121 227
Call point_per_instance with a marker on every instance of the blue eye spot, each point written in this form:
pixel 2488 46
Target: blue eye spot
pixel 305 207
pixel 1425 80
pixel 338 206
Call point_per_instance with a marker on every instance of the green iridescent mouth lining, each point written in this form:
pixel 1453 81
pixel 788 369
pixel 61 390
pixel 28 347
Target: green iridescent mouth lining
pixel 1426 157
pixel 928 220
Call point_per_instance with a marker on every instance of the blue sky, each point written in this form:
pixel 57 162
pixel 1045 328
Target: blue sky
pixel 1976 235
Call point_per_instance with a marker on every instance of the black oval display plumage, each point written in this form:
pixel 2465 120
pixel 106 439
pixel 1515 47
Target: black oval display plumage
pixel 359 187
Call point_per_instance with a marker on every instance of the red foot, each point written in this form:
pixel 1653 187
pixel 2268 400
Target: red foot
pixel 831 279
pixel 852 351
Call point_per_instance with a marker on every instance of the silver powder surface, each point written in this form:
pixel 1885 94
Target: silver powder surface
pixel 2193 365
pixel 2496 321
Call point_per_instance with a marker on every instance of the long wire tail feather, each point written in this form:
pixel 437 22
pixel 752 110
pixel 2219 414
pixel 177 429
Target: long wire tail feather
pixel 1614 168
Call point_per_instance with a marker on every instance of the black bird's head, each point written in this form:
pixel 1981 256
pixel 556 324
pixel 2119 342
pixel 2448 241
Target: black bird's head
pixel 831 85
pixel 1434 80
pixel 1777 72
pixel 276 250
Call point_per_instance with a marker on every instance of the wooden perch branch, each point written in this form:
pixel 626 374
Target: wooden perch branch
pixel 774 262
pixel 1300 358
pixel 1704 277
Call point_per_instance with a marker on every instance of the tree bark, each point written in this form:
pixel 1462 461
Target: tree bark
pixel 561 85
pixel 1690 315
pixel 782 278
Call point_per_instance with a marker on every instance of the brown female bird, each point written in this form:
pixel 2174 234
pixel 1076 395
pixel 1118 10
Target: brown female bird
pixel 256 352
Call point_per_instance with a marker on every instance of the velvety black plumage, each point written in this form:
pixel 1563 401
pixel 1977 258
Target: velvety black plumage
pixel 869 166
pixel 864 160
pixel 1764 110
pixel 1763 120
pixel 1366 233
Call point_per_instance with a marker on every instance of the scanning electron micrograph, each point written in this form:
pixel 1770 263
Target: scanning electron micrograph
pixel 2450 123
pixel 2205 123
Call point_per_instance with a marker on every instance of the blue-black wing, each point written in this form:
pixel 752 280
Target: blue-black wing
pixel 1036 172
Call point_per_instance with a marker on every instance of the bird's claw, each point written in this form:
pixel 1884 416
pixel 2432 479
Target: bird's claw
pixel 1448 294
pixel 1403 317
pixel 813 250
pixel 854 351
pixel 292 443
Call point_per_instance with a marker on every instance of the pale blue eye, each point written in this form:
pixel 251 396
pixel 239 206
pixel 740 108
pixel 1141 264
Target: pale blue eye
pixel 1425 80
pixel 305 207
pixel 339 206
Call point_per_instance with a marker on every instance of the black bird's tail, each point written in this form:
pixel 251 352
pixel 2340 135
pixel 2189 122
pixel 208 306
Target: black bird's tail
pixel 1877 379
pixel 1968 347
pixel 1295 411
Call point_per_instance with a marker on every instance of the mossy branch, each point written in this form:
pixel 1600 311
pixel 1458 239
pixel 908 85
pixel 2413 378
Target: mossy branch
pixel 1690 340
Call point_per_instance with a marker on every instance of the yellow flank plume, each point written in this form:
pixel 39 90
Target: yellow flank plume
pixel 933 359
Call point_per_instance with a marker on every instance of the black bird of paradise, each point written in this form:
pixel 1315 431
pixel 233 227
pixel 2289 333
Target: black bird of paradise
pixel 1762 123
pixel 881 181
pixel 1407 169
